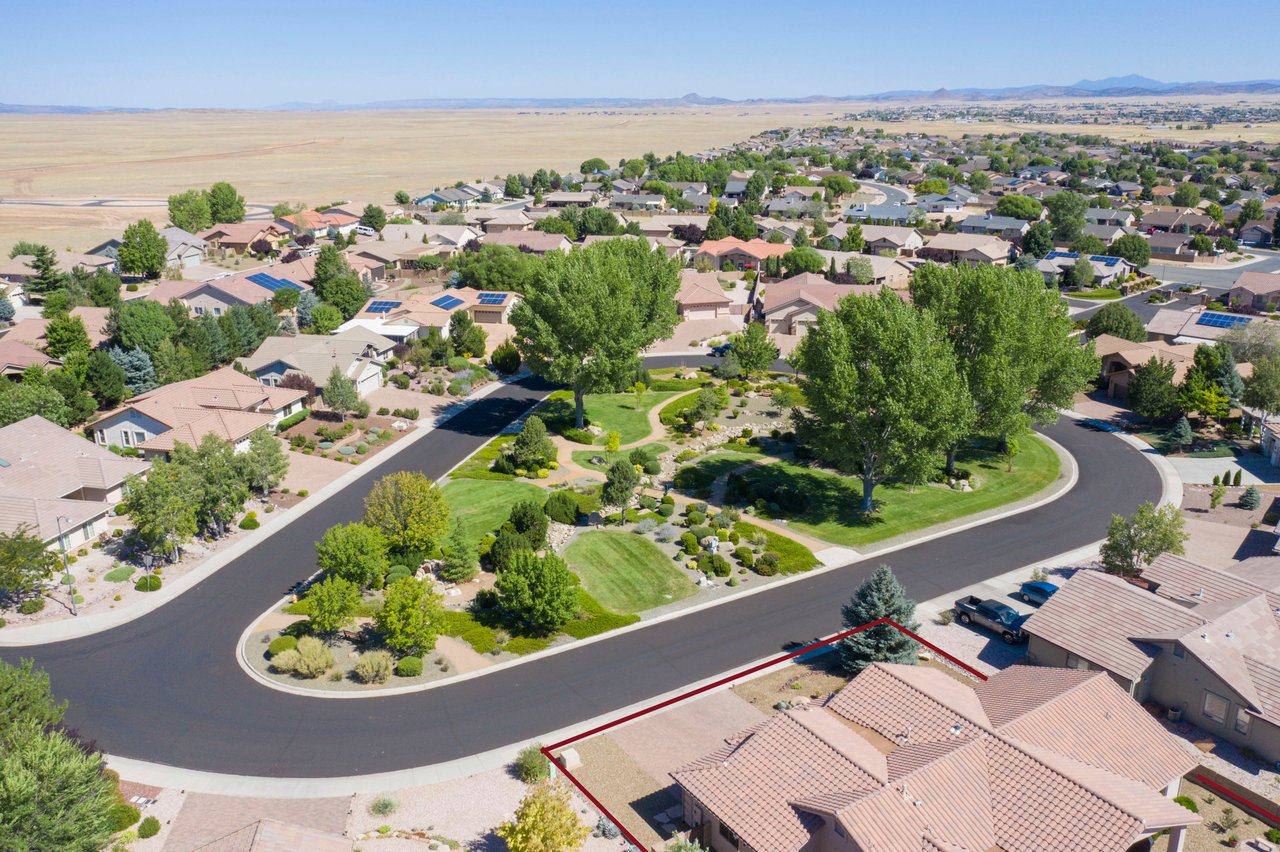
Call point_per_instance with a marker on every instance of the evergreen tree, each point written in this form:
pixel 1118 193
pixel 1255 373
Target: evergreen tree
pixel 461 562
pixel 538 593
pixel 6 308
pixel 139 371
pixel 1181 435
pixel 47 277
pixel 105 379
pixel 880 596
pixel 340 393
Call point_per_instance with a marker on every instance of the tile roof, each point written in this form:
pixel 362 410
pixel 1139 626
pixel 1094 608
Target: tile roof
pixel 41 459
pixel 700 288
pixel 757 248
pixel 32 331
pixel 15 355
pixel 538 241
pixel 957 778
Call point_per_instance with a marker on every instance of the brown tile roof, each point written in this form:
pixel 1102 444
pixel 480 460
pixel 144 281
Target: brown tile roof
pixel 538 241
pixel 17 356
pixel 815 290
pixel 957 778
pixel 700 288
pixel 1257 283
pixel 31 331
pixel 41 459
pixel 757 248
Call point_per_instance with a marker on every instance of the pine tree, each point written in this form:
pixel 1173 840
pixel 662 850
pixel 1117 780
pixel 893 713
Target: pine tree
pixel 461 562
pixel 1181 435
pixel 880 596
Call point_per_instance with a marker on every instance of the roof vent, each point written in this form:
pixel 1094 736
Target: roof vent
pixel 956 730
pixel 1198 593
pixel 1204 636
pixel 1229 635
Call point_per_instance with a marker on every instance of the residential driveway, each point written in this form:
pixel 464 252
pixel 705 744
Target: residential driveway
pixel 1256 469
pixel 691 332
pixel 665 741
pixel 205 818
pixel 1223 545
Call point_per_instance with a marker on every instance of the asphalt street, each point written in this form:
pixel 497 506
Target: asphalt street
pixel 167 688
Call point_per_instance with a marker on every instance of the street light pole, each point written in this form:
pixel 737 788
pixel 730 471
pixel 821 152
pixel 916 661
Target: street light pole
pixel 66 570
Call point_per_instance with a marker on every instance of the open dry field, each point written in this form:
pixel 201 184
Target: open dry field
pixel 140 158
pixel 72 181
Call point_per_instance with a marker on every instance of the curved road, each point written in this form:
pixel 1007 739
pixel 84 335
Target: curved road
pixel 167 688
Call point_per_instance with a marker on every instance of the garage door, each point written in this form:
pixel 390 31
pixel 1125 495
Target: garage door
pixel 369 383
pixel 700 313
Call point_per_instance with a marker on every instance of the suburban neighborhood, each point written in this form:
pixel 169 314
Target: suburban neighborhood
pixel 903 476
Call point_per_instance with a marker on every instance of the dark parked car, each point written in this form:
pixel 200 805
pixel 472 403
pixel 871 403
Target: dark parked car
pixel 721 350
pixel 1036 592
pixel 993 615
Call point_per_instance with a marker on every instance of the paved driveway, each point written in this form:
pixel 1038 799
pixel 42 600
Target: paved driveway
pixel 1256 469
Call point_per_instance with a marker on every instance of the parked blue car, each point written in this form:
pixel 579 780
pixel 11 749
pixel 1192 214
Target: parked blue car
pixel 1036 592
pixel 721 350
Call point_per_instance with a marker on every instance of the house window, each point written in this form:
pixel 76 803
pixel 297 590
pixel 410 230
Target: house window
pixel 126 438
pixel 139 437
pixel 199 311
pixel 217 312
pixel 1074 662
pixel 728 834
pixel 1215 707
pixel 1241 723
pixel 100 436
pixel 1179 651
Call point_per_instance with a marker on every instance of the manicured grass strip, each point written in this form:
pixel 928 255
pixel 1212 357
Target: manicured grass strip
pixel 612 412
pixel 794 556
pixel 477 467
pixel 583 457
pixel 626 572
pixel 671 412
pixel 119 575
pixel 1101 294
pixel 832 513
pixel 594 619
pixel 463 625
pixel 484 505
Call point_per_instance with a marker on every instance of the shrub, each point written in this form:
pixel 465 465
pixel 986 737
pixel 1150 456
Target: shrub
pixel 405 413
pixel 529 520
pixel 561 508
pixel 250 522
pixel 147 583
pixel 131 287
pixel 1188 803
pixel 702 532
pixel 309 660
pixel 745 556
pixel 302 492
pixel 1251 498
pixel 767 564
pixel 401 381
pixel 122 815
pixel 281 644
pixel 31 606
pixel 292 420
pixel 383 411
pixel 149 827
pixel 458 364
pixel 579 436
pixel 505 358
pixel 383 805
pixel 690 543
pixel 666 510
pixel 531 764
pixel 720 566
pixel 695 518
pixel 374 667
pixel 1273 834
pixel 409 667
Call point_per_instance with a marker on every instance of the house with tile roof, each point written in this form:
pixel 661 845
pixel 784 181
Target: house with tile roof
pixel 235 238
pixel 701 297
pixel 1199 640
pixel 32 331
pixel 225 403
pixel 357 352
pixel 1121 358
pixel 911 758
pixel 741 254
pixel 537 242
pixel 1255 290
pixel 16 356
pixel 55 483
pixel 972 249
pixel 878 238
pixel 791 305
pixel 407 314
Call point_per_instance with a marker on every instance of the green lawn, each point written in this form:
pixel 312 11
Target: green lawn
pixel 477 467
pixel 1100 294
pixel 484 504
pixel 695 479
pixel 612 412
pixel 584 457
pixel 795 557
pixel 626 572
pixel 832 511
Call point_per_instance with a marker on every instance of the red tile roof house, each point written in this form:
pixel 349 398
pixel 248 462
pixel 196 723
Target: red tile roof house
pixel 909 758
pixel 236 238
pixel 1255 290
pixel 741 254
pixel 225 403
pixel 791 305
pixel 701 297
pixel 1205 643
pixel 536 241
pixel 318 225
pixel 1121 358
pixel 49 473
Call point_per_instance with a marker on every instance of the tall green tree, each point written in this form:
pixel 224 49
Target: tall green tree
pixel 409 509
pixel 332 604
pixel 264 464
pixel 374 217
pixel 26 699
pixel 1132 543
pixel 20 400
pixel 879 596
pixel 47 277
pixel 340 393
pixel 226 206
pixel 1152 392
pixel 163 507
pixel 142 250
pixel 1118 320
pixel 220 491
pixel 594 310
pixel 1066 211
pixel 25 564
pixel 355 552
pixel 141 324
pixel 65 334
pixel 1019 207
pixel 804 259
pixel 190 211
pixel 1262 388
pixel 409 615
pixel 496 267
pixel 1038 240
pixel 104 289
pixel 532 448
pixel 467 337
pixel 461 562
pixel 620 484
pixel 1012 344
pixel 538 593
pixel 754 349
pixel 1132 248
pixel 885 398
pixel 346 293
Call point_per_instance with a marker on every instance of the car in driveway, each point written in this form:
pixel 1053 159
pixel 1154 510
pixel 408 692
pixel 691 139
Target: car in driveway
pixel 1036 592
pixel 999 618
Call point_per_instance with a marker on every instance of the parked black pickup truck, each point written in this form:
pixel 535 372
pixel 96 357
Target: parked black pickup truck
pixel 993 615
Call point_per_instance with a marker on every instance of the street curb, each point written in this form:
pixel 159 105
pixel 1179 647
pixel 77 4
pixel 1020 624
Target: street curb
pixel 77 628
pixel 1050 494
pixel 1170 479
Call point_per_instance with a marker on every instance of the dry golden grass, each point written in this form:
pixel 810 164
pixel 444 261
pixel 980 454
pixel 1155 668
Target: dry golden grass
pixel 366 156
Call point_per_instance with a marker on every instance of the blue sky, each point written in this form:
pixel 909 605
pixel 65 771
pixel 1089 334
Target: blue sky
pixel 241 54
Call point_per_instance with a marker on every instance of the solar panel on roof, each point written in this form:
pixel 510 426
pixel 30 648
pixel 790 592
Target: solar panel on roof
pixel 492 298
pixel 261 278
pixel 447 303
pixel 271 283
pixel 382 307
pixel 1222 320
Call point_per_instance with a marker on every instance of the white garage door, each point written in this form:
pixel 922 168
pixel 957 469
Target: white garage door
pixel 700 313
pixel 369 383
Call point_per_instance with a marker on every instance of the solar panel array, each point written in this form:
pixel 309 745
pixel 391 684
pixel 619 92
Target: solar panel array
pixel 382 307
pixel 1222 320
pixel 271 283
pixel 447 303
pixel 1105 260
pixel 492 298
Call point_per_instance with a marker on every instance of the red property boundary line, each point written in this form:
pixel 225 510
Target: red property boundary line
pixel 1242 802
pixel 813 646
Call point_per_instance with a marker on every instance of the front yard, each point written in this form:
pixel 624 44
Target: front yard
pixel 626 572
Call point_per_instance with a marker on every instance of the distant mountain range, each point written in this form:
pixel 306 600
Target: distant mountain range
pixel 1128 86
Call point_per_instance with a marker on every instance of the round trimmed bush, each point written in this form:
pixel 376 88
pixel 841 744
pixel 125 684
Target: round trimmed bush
pixel 150 827
pixel 346 451
pixel 374 667
pixel 767 564
pixel 123 815
pixel 31 606
pixel 409 667
pixel 531 765
pixel 561 508
pixel 325 445
pixel 249 523
pixel 281 643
